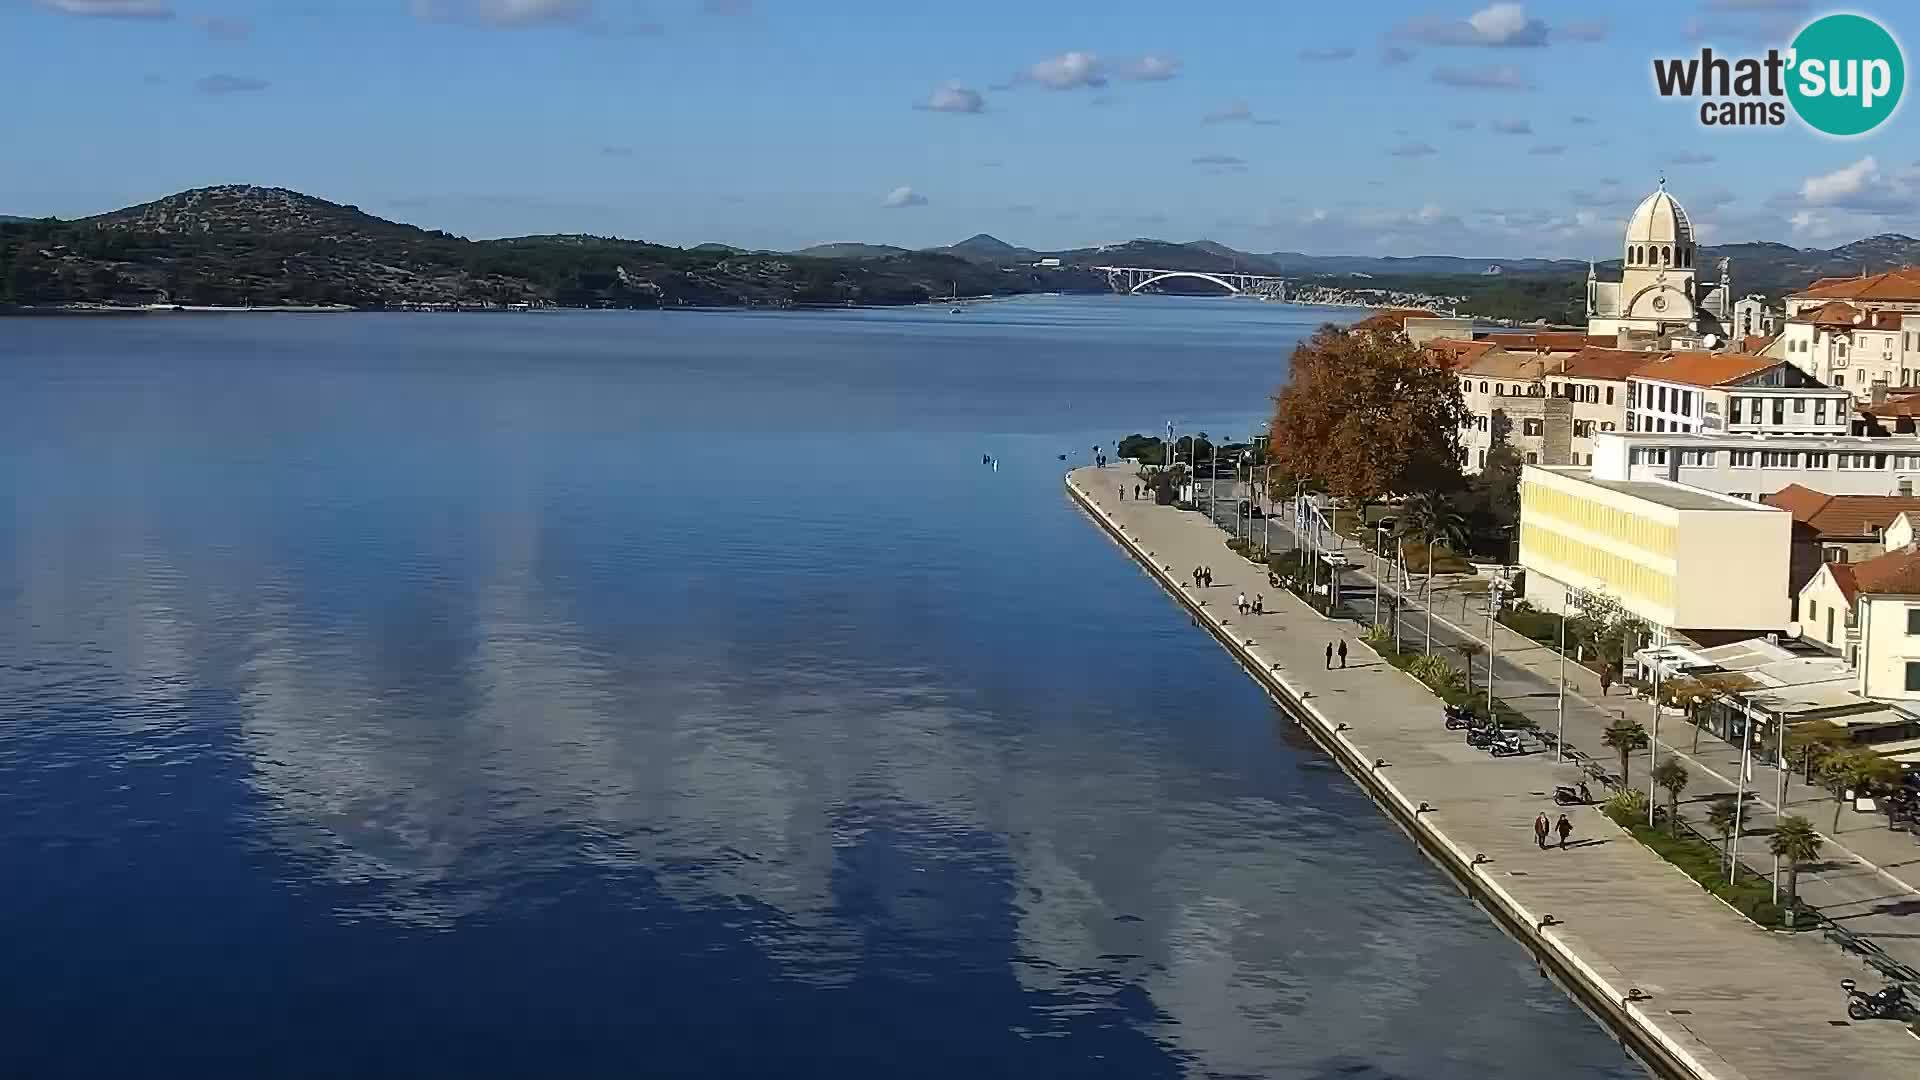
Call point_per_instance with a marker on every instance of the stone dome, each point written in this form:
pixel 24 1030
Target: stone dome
pixel 1659 220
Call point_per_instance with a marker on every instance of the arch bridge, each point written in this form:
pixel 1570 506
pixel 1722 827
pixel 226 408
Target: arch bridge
pixel 1133 279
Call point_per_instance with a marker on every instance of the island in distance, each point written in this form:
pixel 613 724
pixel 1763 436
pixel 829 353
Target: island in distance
pixel 243 245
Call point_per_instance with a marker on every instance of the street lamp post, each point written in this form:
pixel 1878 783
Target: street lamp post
pixel 1560 736
pixel 1429 646
pixel 1653 744
pixel 1379 576
pixel 1494 594
pixel 1246 461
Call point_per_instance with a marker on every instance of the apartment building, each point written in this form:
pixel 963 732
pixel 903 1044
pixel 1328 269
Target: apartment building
pixel 1551 400
pixel 1682 559
pixel 1751 466
pixel 1857 332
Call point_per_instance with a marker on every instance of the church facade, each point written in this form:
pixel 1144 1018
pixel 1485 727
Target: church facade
pixel 1659 294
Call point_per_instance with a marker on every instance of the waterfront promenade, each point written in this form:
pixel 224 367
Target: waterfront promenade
pixel 1717 996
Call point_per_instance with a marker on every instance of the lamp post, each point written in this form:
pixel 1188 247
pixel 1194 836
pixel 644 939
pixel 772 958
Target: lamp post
pixel 1494 594
pixel 1429 646
pixel 1560 735
pixel 1653 744
pixel 1780 790
pixel 1246 461
pixel 1379 577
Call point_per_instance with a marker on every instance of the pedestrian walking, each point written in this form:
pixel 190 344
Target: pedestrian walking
pixel 1123 493
pixel 1606 679
pixel 1329 656
pixel 1240 604
pixel 1208 574
pixel 1259 604
pixel 1196 577
pixel 1540 831
pixel 1565 829
pixel 1343 653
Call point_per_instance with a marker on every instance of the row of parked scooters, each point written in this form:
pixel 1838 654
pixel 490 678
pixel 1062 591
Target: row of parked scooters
pixel 1483 733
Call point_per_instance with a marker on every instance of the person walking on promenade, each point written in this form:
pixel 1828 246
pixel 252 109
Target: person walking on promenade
pixel 1196 577
pixel 1259 604
pixel 1329 656
pixel 1123 493
pixel 1343 653
pixel 1206 573
pixel 1540 830
pixel 1606 679
pixel 1240 603
pixel 1565 829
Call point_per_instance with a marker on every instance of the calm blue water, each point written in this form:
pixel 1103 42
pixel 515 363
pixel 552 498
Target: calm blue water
pixel 672 695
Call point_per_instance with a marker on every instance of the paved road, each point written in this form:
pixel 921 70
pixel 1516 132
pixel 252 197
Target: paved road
pixel 1867 879
pixel 1736 1001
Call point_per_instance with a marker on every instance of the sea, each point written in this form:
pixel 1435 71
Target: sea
pixel 662 694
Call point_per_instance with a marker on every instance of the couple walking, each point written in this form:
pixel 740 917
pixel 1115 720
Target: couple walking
pixel 1258 607
pixel 1541 829
pixel 1203 577
pixel 1342 654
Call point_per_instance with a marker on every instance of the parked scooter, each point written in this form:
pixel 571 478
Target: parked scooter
pixel 1569 795
pixel 1506 745
pixel 1458 716
pixel 1890 1003
pixel 1482 737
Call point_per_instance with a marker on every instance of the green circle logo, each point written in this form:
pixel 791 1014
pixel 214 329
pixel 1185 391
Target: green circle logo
pixel 1847 74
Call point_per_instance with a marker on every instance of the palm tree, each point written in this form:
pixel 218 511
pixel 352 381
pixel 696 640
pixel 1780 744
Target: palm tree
pixel 1469 650
pixel 1431 517
pixel 1671 777
pixel 1857 768
pixel 1625 736
pixel 1795 842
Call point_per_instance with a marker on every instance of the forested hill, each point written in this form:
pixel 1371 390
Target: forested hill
pixel 243 244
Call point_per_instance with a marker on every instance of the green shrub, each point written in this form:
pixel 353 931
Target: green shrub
pixel 1537 625
pixel 1439 675
pixel 1627 807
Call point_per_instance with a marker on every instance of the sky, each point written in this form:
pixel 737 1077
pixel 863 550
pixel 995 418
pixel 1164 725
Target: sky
pixel 1421 127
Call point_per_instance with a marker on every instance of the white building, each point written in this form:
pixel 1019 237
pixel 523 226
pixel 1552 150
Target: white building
pixel 1658 293
pixel 1755 466
pixel 1733 393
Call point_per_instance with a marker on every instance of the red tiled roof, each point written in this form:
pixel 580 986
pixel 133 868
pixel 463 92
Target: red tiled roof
pixel 1393 318
pixel 1842 515
pixel 1897 573
pixel 1458 353
pixel 1896 405
pixel 1843 577
pixel 1893 285
pixel 1551 340
pixel 1595 362
pixel 1756 343
pixel 1705 368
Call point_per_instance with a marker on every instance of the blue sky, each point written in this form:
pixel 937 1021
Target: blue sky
pixel 1404 128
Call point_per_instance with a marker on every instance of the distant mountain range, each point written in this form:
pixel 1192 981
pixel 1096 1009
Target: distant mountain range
pixel 246 244
pixel 1756 267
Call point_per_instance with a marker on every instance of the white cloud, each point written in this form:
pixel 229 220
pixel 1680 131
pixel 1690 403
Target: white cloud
pixel 1149 68
pixel 954 98
pixel 903 196
pixel 1503 25
pixel 222 85
pixel 1841 184
pixel 1486 77
pixel 1068 71
pixel 111 9
pixel 503 13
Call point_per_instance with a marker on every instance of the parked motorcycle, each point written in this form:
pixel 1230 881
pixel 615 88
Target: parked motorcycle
pixel 1506 746
pixel 1458 716
pixel 1890 1003
pixel 1569 795
pixel 1482 737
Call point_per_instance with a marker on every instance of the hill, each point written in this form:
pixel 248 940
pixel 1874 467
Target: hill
pixel 239 244
pixel 851 251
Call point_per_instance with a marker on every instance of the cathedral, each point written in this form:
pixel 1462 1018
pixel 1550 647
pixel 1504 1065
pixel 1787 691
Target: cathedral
pixel 1658 294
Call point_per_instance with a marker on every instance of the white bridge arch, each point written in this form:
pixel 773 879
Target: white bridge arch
pixel 1133 279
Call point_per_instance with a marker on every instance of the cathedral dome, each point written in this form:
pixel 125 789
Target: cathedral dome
pixel 1659 220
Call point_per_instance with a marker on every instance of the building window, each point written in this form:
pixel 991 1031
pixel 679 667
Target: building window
pixel 1606 425
pixel 1742 458
pixel 1686 402
pixel 1659 423
pixel 1499 389
pixel 1483 386
pixel 1531 426
pixel 1913 675
pixel 1839 379
pixel 1533 459
pixel 1799 405
pixel 1660 397
pixel 1633 421
pixel 1820 411
pixel 1840 349
pixel 1830 626
pixel 1813 610
pixel 1816 459
pixel 1733 410
pixel 1779 410
pixel 1609 395
pixel 1483 459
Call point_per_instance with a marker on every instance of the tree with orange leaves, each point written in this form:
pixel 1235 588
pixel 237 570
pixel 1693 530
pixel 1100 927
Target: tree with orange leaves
pixel 1367 415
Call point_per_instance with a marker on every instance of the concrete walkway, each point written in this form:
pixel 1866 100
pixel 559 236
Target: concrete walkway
pixel 1865 880
pixel 1722 998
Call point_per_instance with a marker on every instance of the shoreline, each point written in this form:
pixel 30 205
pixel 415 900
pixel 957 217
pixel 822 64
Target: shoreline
pixel 1591 979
